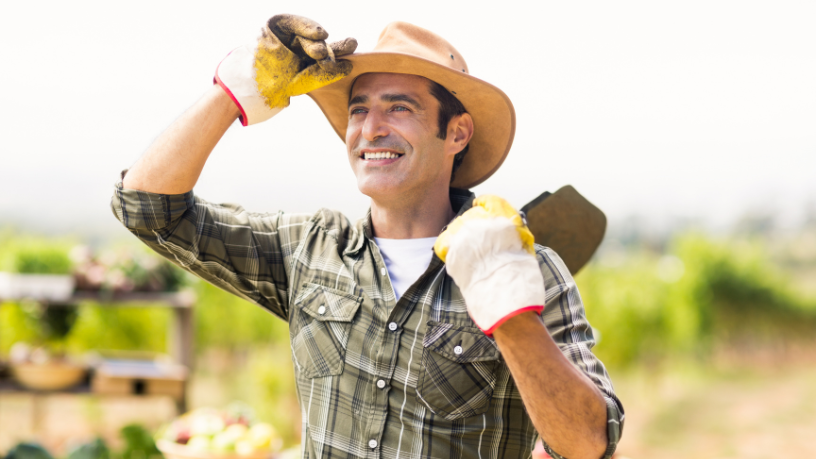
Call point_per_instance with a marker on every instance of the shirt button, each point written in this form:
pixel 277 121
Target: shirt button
pixel 383 272
pixel 381 384
pixel 321 310
pixel 392 326
pixel 458 350
pixel 372 443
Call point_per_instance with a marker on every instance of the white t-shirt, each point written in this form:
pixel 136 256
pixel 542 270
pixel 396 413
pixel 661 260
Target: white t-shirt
pixel 406 260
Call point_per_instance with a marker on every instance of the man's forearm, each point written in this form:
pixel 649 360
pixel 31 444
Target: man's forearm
pixel 566 408
pixel 173 163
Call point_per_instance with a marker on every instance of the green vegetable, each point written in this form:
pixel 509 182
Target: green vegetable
pixel 28 451
pixel 96 449
pixel 139 443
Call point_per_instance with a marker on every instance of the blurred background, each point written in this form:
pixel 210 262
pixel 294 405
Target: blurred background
pixel 691 125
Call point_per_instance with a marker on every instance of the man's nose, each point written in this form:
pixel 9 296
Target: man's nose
pixel 375 126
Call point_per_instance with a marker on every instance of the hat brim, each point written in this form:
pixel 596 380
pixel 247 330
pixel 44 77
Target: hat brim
pixel 493 116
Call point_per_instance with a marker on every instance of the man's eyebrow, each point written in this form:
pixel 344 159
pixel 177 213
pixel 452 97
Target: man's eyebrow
pixel 400 98
pixel 361 99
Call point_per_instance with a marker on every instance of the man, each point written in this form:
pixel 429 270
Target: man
pixel 398 352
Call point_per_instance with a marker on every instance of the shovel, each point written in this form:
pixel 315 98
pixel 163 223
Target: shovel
pixel 567 223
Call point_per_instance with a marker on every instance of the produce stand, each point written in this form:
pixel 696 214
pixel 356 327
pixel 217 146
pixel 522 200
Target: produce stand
pixel 180 343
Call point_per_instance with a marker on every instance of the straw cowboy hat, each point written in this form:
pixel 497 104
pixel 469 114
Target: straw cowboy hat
pixel 406 48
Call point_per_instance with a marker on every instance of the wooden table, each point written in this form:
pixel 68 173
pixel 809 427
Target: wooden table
pixel 180 333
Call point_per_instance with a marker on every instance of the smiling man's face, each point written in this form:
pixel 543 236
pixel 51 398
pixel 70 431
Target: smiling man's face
pixel 392 137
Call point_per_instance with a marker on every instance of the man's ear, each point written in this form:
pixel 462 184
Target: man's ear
pixel 460 131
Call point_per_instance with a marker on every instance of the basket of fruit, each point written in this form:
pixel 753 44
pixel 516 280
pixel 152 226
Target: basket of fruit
pixel 207 433
pixel 48 376
pixel 44 365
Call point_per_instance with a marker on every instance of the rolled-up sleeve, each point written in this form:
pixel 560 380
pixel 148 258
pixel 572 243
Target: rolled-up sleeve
pixel 241 252
pixel 566 320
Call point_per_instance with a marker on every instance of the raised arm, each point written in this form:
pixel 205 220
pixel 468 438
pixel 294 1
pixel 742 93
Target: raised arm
pixel 253 83
pixel 236 250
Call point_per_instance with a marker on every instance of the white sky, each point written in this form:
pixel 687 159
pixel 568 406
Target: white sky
pixel 694 109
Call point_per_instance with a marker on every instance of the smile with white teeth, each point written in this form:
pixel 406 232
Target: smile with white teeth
pixel 380 155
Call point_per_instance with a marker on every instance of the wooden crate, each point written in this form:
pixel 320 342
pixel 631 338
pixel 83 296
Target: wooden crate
pixel 134 377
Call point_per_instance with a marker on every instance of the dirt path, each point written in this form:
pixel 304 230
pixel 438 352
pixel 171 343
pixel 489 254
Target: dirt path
pixel 736 412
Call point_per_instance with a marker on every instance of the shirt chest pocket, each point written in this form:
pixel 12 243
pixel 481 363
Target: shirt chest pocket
pixel 320 329
pixel 458 370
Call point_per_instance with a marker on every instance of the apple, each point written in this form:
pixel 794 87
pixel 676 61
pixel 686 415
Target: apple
pixel 239 413
pixel 244 447
pixel 263 436
pixel 199 443
pixel 226 440
pixel 206 423
pixel 183 435
pixel 223 442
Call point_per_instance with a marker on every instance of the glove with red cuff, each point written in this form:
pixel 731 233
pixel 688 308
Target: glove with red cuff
pixel 290 58
pixel 489 253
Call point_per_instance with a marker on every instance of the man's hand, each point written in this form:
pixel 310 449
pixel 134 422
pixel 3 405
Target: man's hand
pixel 255 82
pixel 291 58
pixel 489 254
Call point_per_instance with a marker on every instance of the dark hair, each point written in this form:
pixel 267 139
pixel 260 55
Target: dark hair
pixel 449 106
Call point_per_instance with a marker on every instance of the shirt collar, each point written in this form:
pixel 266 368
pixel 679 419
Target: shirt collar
pixel 461 200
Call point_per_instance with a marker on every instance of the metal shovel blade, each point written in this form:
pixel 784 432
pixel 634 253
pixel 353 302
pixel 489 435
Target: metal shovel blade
pixel 567 223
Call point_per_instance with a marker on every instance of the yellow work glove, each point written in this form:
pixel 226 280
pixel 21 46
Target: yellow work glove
pixel 290 58
pixel 489 253
pixel 485 206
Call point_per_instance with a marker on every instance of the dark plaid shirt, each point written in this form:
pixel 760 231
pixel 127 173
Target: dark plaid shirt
pixel 376 377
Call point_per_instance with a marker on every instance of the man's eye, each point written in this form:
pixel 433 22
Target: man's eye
pixel 399 109
pixel 356 111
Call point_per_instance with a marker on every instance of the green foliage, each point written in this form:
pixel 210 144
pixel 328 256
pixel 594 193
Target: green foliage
pixel 16 325
pixel 50 325
pixel 271 374
pixel 57 321
pixel 95 327
pixel 624 304
pixel 28 451
pixel 139 443
pixel 96 449
pixel 221 320
pixel 31 255
pixel 703 293
pixel 118 328
pixel 224 320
